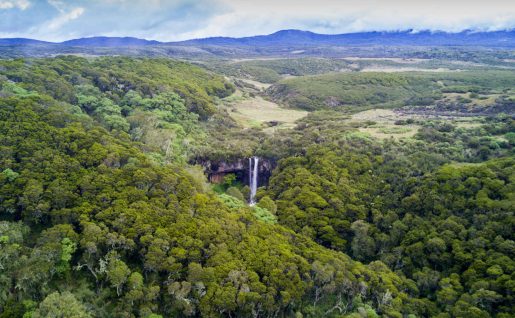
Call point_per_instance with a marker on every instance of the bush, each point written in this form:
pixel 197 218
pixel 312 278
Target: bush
pixel 267 203
pixel 264 215
pixel 235 192
pixel 246 192
pixel 229 180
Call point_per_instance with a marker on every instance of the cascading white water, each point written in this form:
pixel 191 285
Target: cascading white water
pixel 253 178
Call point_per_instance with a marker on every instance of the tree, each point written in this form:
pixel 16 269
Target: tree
pixel 229 180
pixel 117 273
pixel 10 175
pixel 63 305
pixel 68 248
pixel 267 203
pixel 235 192
pixel 363 246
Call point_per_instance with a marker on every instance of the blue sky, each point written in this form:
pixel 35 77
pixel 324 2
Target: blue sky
pixel 169 20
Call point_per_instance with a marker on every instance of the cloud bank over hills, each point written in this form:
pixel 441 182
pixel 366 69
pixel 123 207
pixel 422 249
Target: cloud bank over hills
pixel 59 20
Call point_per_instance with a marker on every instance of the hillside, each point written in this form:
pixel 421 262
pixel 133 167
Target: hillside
pixel 85 211
pixel 104 211
pixel 357 91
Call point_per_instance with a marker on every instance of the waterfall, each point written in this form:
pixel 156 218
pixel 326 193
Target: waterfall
pixel 253 178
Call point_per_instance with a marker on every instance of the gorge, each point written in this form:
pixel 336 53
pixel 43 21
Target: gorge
pixel 254 172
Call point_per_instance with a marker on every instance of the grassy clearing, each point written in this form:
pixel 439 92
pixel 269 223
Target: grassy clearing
pixel 467 98
pixel 395 130
pixel 389 132
pixel 380 123
pixel 468 122
pixel 258 112
pixel 257 84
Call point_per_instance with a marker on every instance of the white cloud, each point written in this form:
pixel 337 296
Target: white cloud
pixel 11 4
pixel 64 18
pixel 170 20
pixel 341 16
pixel 59 5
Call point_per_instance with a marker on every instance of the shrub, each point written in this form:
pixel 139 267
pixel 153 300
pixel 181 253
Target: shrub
pixel 267 203
pixel 235 192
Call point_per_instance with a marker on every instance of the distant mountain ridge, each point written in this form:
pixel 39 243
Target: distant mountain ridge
pixel 97 41
pixel 21 41
pixel 423 38
pixel 110 41
pixel 303 38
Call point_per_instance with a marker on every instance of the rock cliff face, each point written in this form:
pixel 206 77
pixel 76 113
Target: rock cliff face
pixel 216 170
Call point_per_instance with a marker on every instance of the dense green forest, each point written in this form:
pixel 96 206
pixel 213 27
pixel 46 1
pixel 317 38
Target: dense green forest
pixel 103 212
